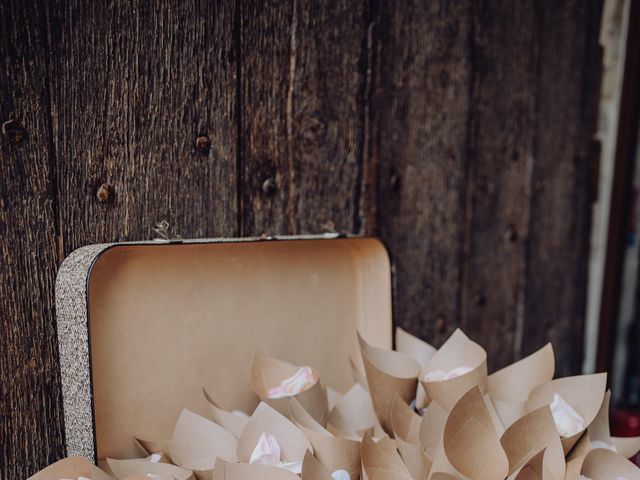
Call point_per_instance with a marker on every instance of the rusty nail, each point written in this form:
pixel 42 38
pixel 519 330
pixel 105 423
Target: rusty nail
pixel 105 193
pixel 269 186
pixel 203 144
pixel 13 131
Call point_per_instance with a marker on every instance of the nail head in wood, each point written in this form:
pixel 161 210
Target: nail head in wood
pixel 269 187
pixel 13 131
pixel 203 144
pixel 105 193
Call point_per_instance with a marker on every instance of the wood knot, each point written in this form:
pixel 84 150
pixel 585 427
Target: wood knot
pixel 441 325
pixel 203 144
pixel 13 131
pixel 105 193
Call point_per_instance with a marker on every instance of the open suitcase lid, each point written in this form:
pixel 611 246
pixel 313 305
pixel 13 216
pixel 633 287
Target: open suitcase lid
pixel 142 327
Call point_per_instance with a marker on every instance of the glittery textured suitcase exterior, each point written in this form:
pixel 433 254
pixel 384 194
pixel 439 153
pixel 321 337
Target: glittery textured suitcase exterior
pixel 143 327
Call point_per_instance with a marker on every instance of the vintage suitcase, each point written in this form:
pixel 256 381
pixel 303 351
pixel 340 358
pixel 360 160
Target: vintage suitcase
pixel 143 327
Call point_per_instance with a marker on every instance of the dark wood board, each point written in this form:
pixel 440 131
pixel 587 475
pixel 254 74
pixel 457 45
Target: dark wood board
pixel 135 85
pixel 422 113
pixel 561 194
pixel 302 126
pixel 31 425
pixel 459 132
pixel 500 156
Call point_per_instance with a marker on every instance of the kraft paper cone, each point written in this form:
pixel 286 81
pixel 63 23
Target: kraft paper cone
pixel 265 419
pixel 535 432
pixel 251 471
pixel 380 461
pixel 533 468
pixel 416 348
pixel 153 446
pixel 388 373
pixel 605 464
pixel 457 351
pixel 312 469
pixel 576 457
pixel 123 469
pixel 431 429
pixel 332 452
pixel 599 431
pixel 510 387
pixel 268 372
pixel 405 421
pixel 358 375
pixel 584 393
pixel 353 413
pixel 406 430
pixel 470 447
pixel 71 467
pixel 197 442
pixel 227 420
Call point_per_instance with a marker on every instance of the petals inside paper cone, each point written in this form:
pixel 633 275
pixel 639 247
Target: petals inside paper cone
pixel 568 421
pixel 300 381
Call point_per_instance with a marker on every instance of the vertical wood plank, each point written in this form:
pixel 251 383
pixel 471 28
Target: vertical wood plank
pixel 302 121
pixel 31 430
pixel 144 118
pixel 560 215
pixel 421 116
pixel 500 154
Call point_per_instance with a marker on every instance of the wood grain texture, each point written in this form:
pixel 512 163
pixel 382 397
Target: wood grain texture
pixel 560 217
pixel 422 118
pixel 500 156
pixel 302 123
pixel 31 425
pixel 136 83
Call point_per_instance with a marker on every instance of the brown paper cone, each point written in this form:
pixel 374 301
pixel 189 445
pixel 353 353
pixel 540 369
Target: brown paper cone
pixel 251 471
pixel 153 446
pixel 533 468
pixel 414 347
pixel 606 464
pixel 197 442
pixel 268 372
pixel 510 387
pixel 332 452
pixel 584 393
pixel 123 469
pixel 470 447
pixel 71 467
pixel 380 461
pixel 358 374
pixel 227 420
pixel 353 414
pixel 405 421
pixel 599 431
pixel 535 432
pixel 265 419
pixel 312 469
pixel 388 373
pixel 457 351
pixel 432 428
pixel 333 397
pixel 406 429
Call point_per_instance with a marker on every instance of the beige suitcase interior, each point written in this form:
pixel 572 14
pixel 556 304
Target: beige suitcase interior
pixel 164 320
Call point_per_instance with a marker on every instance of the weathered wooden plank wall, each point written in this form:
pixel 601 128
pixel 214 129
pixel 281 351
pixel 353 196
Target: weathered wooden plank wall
pixel 460 132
